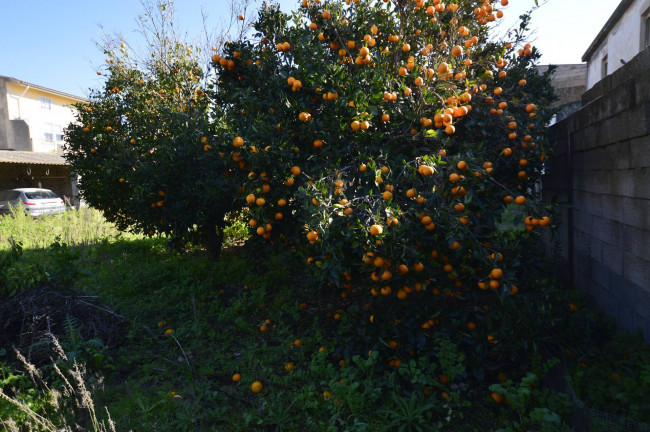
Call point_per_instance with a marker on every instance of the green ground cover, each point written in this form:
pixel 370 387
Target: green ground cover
pixel 161 335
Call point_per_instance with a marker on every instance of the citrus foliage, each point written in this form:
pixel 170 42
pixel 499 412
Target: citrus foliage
pixel 395 143
pixel 142 146
pixel 408 146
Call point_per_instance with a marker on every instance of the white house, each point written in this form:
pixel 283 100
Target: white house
pixel 32 120
pixel 626 33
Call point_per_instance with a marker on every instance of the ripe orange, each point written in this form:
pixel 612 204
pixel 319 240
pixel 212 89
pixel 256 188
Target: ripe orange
pixel 376 229
pixel 256 387
pixel 236 377
pixel 426 170
pixel 520 200
pixel 496 273
pixel 238 141
pixel 496 397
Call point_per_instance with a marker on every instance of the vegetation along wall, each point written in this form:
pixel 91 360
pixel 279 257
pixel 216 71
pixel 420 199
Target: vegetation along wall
pixel 601 169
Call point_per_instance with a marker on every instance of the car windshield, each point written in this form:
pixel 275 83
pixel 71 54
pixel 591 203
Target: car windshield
pixel 42 194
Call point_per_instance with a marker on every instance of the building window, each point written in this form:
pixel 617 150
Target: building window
pixel 646 32
pixel 48 137
pixel 603 67
pixel 58 129
pixel 46 103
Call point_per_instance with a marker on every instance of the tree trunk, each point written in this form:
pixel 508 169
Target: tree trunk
pixel 212 236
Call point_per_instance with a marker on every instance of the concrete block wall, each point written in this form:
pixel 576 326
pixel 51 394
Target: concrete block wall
pixel 601 169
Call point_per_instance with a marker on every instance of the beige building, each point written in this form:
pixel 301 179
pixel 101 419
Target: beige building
pixel 569 84
pixel 32 121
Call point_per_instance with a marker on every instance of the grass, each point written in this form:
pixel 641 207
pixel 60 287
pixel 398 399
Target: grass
pixel 74 227
pixel 188 323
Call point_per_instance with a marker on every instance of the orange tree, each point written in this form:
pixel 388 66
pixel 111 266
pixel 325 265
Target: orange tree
pixel 401 147
pixel 144 147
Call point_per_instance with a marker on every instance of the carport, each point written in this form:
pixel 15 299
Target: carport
pixel 42 170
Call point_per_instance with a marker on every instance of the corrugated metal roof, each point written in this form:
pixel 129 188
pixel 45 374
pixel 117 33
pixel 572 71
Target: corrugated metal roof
pixel 23 157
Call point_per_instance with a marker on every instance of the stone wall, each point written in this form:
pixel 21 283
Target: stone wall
pixel 14 134
pixel 4 117
pixel 601 169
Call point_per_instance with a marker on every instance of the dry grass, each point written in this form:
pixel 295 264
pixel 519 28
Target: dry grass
pixel 70 408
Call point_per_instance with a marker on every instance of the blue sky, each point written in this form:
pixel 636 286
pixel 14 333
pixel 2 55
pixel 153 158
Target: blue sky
pixel 53 43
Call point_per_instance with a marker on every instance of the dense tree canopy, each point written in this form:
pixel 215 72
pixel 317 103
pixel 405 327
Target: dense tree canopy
pixel 143 146
pixel 394 142
pixel 405 145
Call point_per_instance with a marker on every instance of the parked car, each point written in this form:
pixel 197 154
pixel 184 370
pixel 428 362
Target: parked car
pixel 35 201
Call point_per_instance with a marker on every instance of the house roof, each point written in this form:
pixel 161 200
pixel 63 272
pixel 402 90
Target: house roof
pixel 609 25
pixel 24 157
pixel 45 89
